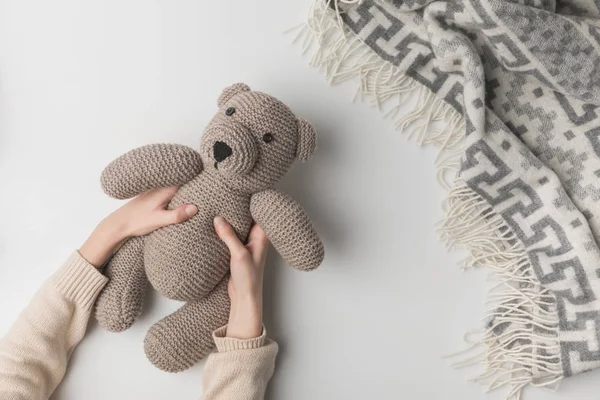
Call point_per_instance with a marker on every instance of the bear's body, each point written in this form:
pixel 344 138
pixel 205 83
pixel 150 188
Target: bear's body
pixel 247 147
pixel 175 252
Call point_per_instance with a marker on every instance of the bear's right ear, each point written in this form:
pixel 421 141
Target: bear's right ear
pixel 307 140
pixel 231 91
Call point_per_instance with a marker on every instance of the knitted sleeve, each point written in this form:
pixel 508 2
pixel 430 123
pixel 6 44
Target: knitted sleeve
pixel 150 167
pixel 240 369
pixel 34 353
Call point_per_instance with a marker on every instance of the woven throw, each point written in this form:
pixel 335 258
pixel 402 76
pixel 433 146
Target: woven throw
pixel 509 91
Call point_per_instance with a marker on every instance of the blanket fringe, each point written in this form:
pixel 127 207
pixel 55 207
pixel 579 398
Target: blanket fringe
pixel 519 346
pixel 343 57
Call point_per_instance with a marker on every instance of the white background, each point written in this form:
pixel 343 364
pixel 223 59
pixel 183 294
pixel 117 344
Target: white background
pixel 82 82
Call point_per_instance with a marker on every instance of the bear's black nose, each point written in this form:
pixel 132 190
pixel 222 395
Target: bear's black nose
pixel 221 151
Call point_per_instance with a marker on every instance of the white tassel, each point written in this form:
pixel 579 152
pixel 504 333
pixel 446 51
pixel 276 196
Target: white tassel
pixel 519 347
pixel 342 56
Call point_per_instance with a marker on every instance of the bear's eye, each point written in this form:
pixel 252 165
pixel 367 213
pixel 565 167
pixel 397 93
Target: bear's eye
pixel 230 111
pixel 268 137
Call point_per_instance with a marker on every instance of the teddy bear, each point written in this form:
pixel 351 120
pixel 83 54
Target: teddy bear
pixel 246 148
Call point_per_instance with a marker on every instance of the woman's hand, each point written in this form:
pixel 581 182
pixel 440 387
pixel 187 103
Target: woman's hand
pixel 246 283
pixel 139 216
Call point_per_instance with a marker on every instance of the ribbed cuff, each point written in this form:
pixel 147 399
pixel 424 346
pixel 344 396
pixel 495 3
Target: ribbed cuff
pixel 228 344
pixel 79 280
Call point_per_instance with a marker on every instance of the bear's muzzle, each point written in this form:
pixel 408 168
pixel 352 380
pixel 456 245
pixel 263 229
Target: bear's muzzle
pixel 231 148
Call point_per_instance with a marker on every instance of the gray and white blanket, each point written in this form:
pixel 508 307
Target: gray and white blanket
pixel 513 88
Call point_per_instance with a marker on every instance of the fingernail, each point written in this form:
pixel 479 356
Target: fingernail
pixel 219 221
pixel 191 209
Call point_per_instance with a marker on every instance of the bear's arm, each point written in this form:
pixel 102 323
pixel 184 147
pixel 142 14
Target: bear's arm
pixel 150 167
pixel 288 228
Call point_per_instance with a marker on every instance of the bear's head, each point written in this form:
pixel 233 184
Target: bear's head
pixel 254 139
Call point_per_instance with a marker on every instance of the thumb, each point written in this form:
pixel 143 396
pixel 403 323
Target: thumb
pixel 179 214
pixel 227 235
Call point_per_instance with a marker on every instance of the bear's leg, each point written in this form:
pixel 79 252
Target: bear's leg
pixel 183 338
pixel 122 299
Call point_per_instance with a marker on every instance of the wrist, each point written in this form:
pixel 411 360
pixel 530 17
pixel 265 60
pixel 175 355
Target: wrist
pixel 245 319
pixel 114 226
pixel 244 328
pixel 103 241
pixel 248 301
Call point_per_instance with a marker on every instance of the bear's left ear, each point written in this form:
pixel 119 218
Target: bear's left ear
pixel 231 91
pixel 307 140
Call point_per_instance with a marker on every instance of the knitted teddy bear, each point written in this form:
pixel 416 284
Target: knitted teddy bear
pixel 247 147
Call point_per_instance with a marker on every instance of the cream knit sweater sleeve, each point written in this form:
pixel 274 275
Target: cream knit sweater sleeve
pixel 240 369
pixel 34 353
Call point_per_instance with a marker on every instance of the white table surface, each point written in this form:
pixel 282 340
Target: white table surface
pixel 83 82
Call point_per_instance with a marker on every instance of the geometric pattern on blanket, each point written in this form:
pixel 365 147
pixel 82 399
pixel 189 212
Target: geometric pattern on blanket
pixel 524 75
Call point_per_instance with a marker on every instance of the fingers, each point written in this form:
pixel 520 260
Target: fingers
pixel 163 195
pixel 258 235
pixel 258 243
pixel 178 215
pixel 227 235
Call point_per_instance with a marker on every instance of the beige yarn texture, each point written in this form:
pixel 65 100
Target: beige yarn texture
pixel 247 147
pixel 151 167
